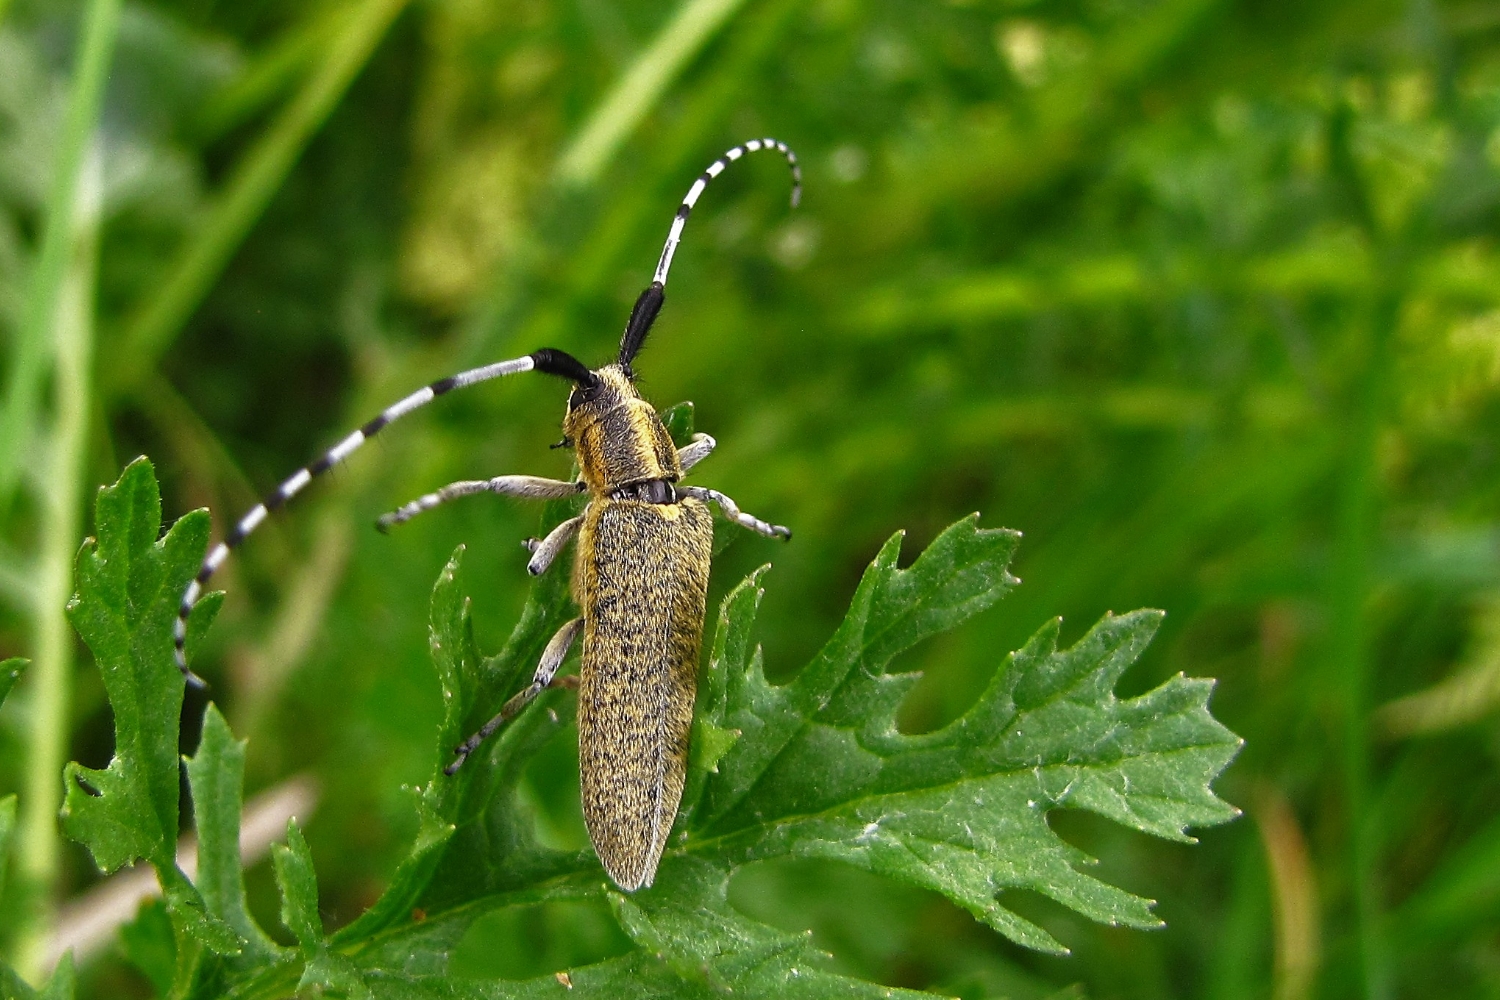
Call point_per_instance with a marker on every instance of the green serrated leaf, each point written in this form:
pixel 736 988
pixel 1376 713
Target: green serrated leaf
pixel 188 912
pixel 202 618
pixel 129 585
pixel 679 422
pixel 10 672
pixel 963 571
pixel 731 656
pixel 963 810
pixel 493 845
pixel 129 810
pixel 711 744
pixel 298 882
pixel 216 775
pixel 324 970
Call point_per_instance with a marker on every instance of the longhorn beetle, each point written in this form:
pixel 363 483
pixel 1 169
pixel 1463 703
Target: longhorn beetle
pixel 640 571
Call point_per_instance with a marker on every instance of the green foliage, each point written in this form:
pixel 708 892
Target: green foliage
pixel 60 985
pixel 961 573
pixel 10 672
pixel 679 422
pixel 813 768
pixel 7 830
pixel 1202 295
pixel 693 943
pixel 146 943
pixel 299 913
pixel 299 892
pixel 963 810
pixel 216 774
pixel 129 584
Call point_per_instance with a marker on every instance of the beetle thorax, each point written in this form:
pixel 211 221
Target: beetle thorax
pixel 617 435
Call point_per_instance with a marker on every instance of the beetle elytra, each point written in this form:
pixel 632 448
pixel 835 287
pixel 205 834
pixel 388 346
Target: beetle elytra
pixel 640 573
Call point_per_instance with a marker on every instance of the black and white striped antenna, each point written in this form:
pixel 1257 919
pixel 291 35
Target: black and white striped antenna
pixel 547 360
pixel 650 301
pixel 696 191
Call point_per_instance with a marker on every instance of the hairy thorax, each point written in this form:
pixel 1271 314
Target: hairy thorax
pixel 618 437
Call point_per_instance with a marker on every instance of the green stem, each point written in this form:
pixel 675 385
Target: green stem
pixel 1349 592
pixel 269 75
pixel 52 672
pixel 255 181
pixel 641 88
pixel 19 420
pixel 1355 536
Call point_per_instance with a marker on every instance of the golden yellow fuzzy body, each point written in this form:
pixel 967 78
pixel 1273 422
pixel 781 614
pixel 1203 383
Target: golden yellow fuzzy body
pixel 640 574
pixel 641 577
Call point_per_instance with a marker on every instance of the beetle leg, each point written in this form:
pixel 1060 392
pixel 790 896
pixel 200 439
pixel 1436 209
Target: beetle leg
pixel 546 669
pixel 526 487
pixel 545 550
pixel 732 511
pixel 695 451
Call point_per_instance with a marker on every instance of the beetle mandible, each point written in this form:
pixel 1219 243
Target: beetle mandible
pixel 640 571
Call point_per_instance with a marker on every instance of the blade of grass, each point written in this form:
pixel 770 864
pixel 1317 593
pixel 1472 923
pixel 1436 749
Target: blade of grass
pixel 269 74
pixel 642 86
pixel 1349 583
pixel 249 190
pixel 1350 654
pixel 18 423
pixel 52 670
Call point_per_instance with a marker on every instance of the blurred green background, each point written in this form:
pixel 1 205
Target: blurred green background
pixel 1203 296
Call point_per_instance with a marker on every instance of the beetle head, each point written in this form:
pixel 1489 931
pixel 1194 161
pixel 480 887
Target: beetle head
pixel 608 388
pixel 594 392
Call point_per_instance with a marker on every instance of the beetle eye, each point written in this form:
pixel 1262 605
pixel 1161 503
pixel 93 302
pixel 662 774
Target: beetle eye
pixel 583 394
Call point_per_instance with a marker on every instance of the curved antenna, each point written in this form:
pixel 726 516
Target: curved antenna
pixel 650 301
pixel 715 169
pixel 546 360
